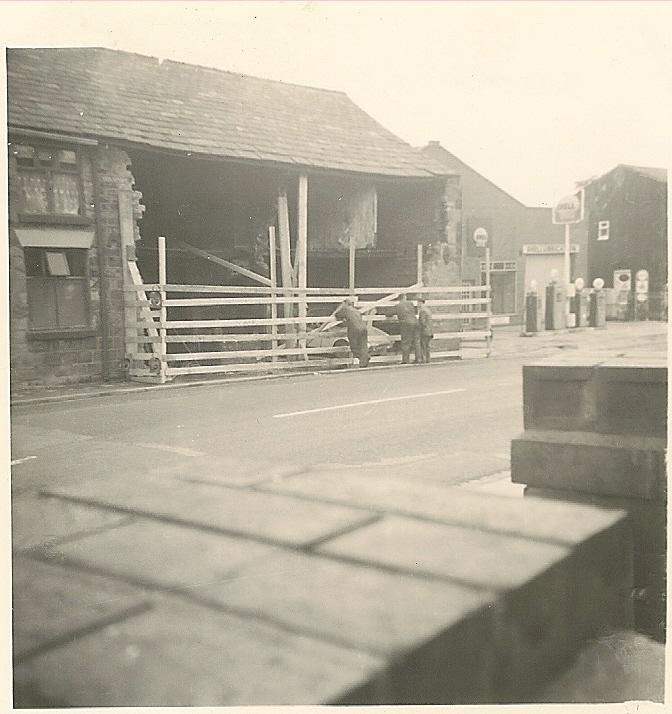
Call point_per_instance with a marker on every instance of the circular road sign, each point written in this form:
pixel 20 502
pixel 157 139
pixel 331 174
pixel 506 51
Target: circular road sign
pixel 568 210
pixel 481 237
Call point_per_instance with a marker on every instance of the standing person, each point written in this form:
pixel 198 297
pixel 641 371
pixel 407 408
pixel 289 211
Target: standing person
pixel 408 329
pixel 357 332
pixel 426 329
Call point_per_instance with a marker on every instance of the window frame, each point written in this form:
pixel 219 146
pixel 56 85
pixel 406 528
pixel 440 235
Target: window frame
pixel 53 281
pixel 50 216
pixel 603 225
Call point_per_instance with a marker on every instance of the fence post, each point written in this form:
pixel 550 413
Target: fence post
pixel 163 312
pixel 419 275
pixel 488 305
pixel 274 284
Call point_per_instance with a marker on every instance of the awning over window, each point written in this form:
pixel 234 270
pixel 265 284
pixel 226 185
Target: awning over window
pixel 54 238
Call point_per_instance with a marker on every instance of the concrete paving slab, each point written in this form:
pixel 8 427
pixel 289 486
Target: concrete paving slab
pixel 265 516
pixel 167 555
pixel 361 607
pixel 51 603
pixel 39 521
pixel 540 520
pixel 474 557
pixel 186 655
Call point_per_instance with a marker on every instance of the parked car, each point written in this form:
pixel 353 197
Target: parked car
pixel 380 343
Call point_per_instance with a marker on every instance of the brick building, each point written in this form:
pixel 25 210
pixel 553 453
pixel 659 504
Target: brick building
pixel 511 226
pixel 202 154
pixel 626 230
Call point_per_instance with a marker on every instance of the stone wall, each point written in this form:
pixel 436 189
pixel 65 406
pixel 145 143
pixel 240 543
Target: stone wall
pixel 62 356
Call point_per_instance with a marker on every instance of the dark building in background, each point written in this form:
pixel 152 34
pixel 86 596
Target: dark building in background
pixel 511 226
pixel 626 227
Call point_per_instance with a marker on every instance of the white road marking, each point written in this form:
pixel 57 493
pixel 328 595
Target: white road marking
pixel 23 460
pixel 183 451
pixel 368 402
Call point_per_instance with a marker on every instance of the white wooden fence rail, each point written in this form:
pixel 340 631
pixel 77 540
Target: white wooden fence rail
pixel 191 329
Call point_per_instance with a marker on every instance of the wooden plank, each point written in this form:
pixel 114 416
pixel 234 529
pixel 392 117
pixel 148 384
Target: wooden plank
pixel 232 337
pixel 251 322
pixel 343 292
pixel 143 340
pixel 163 279
pixel 265 367
pixel 240 354
pixel 225 263
pixel 270 300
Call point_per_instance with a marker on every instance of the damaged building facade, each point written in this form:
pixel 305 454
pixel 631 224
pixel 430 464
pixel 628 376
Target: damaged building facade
pixel 109 150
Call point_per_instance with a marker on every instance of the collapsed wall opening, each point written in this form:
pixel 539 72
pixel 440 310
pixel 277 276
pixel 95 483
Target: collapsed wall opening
pixel 221 207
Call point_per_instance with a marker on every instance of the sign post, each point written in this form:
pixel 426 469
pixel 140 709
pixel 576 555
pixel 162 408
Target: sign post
pixel 481 240
pixel 567 211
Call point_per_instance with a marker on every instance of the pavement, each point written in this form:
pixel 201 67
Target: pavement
pixel 270 528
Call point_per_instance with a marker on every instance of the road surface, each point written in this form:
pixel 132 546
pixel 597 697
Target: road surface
pixel 448 422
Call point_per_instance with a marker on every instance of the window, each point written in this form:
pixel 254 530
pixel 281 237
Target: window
pixel 58 291
pixel 50 180
pixel 603 230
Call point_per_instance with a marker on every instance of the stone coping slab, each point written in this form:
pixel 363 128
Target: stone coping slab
pixel 606 464
pixel 565 524
pixel 270 517
pixel 180 654
pixel 468 556
pixel 51 604
pixel 362 607
pixel 165 555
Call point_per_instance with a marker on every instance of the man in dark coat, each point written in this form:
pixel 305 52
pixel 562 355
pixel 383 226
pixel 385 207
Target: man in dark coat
pixel 426 329
pixel 357 332
pixel 409 329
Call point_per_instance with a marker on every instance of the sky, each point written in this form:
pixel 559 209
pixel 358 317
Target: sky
pixel 534 95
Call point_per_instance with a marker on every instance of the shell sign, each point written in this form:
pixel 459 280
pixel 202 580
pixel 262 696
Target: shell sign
pixel 568 209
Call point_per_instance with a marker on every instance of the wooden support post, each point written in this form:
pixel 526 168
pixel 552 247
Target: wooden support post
pixel 351 265
pixel 127 251
pixel 419 278
pixel 302 252
pixel 164 314
pixel 285 254
pixel 274 284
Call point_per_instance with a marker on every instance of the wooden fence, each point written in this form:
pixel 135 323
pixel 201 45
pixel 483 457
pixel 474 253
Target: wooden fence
pixel 174 330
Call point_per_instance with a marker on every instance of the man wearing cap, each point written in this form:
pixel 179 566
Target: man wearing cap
pixel 357 332
pixel 426 329
pixel 408 329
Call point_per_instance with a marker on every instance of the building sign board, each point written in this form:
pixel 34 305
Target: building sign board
pixel 547 248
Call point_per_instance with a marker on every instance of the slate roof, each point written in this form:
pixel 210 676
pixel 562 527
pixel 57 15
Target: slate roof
pixel 103 93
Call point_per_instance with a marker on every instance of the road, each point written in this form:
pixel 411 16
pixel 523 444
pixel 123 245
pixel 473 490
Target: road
pixel 447 422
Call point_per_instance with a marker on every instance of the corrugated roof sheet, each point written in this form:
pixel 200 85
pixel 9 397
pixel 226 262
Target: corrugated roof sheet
pixel 117 95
